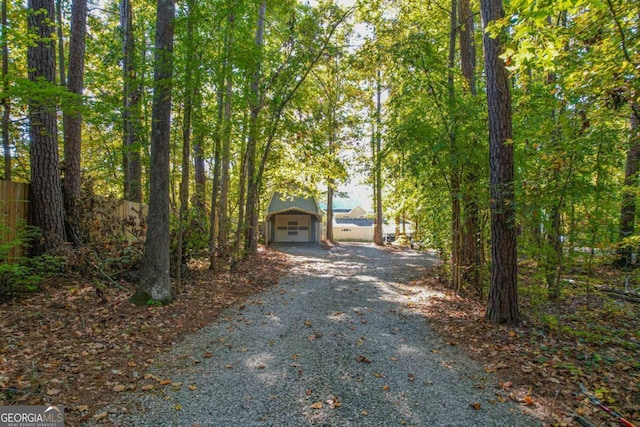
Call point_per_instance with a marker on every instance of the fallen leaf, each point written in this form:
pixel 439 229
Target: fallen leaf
pixel 147 387
pixel 528 400
pixel 228 366
pixel 475 405
pixel 393 359
pixel 364 413
pixel 53 391
pixel 165 382
pixel 178 407
pixel 363 359
pixel 101 416
pixel 192 387
pixel 118 388
pixel 385 387
pixel 411 377
pixel 208 355
pixel 505 385
pixel 308 392
pixel 317 405
pixel 307 323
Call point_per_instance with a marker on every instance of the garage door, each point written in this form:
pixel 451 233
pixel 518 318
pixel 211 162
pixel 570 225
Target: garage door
pixel 292 228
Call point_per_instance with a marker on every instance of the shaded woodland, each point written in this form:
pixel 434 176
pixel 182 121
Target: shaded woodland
pixel 506 133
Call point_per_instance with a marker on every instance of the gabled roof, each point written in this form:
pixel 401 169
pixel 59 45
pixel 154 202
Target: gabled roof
pixel 281 204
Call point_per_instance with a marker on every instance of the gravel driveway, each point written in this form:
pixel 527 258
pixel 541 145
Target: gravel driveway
pixel 334 344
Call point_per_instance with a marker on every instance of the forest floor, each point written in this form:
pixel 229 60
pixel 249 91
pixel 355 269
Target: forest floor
pixel 584 337
pixel 82 349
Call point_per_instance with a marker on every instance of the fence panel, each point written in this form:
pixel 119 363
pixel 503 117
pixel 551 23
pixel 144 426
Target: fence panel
pixel 14 203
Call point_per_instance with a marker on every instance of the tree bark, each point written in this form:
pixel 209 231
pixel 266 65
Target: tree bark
pixel 251 211
pixel 61 67
pixel 72 120
pixel 330 213
pixel 503 293
pixel 46 205
pixel 628 210
pixel 155 282
pixel 131 108
pixel 454 163
pixel 225 226
pixel 472 249
pixel 377 164
pixel 190 63
pixel 6 102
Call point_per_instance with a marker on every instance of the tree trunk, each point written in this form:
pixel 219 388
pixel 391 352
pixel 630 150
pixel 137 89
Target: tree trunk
pixel 628 210
pixel 454 163
pixel 225 226
pixel 251 211
pixel 155 282
pixel 46 205
pixel 503 293
pixel 330 213
pixel 472 250
pixel 214 225
pixel 72 120
pixel 377 164
pixel 190 63
pixel 61 67
pixel 242 180
pixel 198 156
pixel 6 102
pixel 131 108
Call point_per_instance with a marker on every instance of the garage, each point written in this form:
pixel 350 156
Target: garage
pixel 293 219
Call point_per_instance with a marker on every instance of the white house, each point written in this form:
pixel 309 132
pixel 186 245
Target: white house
pixel 293 219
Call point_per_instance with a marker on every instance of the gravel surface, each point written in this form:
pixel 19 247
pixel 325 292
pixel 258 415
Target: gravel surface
pixel 334 344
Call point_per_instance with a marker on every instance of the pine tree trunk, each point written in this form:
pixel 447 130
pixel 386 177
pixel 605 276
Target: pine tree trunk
pixel 131 108
pixel 46 205
pixel 503 293
pixel 72 120
pixel 155 282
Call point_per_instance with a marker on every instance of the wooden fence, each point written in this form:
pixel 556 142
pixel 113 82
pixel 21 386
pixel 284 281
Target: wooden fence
pixel 14 203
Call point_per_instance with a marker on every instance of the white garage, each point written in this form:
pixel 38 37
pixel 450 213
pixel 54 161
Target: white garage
pixel 293 219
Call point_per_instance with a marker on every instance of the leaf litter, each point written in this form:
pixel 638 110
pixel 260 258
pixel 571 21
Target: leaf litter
pixel 79 348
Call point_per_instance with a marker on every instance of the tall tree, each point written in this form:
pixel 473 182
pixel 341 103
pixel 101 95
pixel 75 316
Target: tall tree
pixel 155 281
pixel 46 204
pixel 225 156
pixel 72 119
pixel 131 108
pixel 6 102
pixel 251 210
pixel 503 293
pixel 629 195
pixel 377 162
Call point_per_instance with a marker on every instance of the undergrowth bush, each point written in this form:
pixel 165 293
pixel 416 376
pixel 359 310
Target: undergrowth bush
pixel 110 247
pixel 20 275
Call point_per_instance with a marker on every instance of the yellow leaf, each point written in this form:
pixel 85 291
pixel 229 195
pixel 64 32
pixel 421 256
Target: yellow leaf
pixel 101 416
pixel 192 387
pixel 317 405
pixel 178 407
